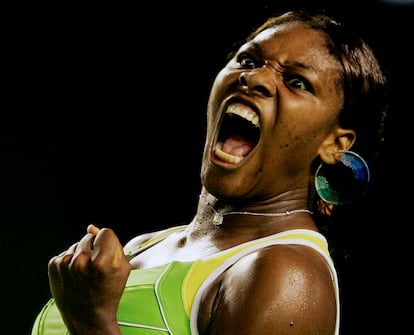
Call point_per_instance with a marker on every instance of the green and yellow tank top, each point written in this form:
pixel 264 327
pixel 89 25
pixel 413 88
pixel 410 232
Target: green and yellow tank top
pixel 166 299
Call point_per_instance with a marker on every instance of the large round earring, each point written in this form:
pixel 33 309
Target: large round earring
pixel 344 182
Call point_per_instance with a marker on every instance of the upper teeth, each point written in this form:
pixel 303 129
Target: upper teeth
pixel 244 112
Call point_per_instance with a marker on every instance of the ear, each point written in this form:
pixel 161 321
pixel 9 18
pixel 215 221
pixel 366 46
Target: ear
pixel 338 139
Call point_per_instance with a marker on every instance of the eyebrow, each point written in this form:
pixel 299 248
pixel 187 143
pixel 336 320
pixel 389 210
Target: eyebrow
pixel 256 48
pixel 300 65
pixel 295 64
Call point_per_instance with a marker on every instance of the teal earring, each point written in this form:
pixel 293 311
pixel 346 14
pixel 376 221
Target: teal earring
pixel 345 182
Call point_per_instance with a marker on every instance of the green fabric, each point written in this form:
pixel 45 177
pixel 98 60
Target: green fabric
pixel 155 300
pixel 49 321
pixel 150 296
pixel 139 303
pixel 170 294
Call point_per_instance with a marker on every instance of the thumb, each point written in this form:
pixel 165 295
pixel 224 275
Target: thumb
pixel 92 229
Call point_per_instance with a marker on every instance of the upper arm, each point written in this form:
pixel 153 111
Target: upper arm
pixel 282 289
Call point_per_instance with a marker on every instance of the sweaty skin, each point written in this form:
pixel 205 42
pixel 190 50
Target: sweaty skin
pixel 284 81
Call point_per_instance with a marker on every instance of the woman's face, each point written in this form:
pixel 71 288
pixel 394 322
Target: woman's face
pixel 269 110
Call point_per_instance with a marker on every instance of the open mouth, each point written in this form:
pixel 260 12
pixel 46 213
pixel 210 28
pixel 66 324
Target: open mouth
pixel 239 134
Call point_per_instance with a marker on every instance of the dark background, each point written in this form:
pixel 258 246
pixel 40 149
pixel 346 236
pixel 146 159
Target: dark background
pixel 103 121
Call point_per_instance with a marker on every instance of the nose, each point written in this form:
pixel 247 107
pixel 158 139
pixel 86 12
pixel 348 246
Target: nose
pixel 259 81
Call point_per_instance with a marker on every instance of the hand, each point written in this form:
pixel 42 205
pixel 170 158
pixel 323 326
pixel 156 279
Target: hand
pixel 87 281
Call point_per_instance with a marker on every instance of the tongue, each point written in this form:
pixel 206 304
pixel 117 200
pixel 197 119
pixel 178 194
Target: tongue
pixel 238 146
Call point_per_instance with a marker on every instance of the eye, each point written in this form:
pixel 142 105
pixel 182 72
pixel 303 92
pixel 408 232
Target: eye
pixel 247 61
pixel 298 82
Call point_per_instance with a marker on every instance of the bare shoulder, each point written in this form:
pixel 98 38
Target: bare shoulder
pixel 278 290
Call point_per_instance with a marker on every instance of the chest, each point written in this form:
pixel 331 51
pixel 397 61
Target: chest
pixel 174 248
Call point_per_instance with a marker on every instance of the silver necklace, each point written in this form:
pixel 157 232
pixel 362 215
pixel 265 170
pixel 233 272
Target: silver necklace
pixel 218 216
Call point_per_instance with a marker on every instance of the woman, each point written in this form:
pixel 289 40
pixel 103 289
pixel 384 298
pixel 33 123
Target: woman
pixel 289 104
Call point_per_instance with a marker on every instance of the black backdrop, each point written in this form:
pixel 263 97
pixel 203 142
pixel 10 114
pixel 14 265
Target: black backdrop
pixel 104 122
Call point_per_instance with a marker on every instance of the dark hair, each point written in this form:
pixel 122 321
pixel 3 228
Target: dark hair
pixel 362 79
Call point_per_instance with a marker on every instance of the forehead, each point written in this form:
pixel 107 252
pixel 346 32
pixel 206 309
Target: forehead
pixel 295 42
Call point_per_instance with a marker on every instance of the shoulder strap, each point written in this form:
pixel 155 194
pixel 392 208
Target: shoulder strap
pixel 154 240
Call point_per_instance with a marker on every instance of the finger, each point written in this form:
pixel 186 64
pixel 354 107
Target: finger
pixel 107 247
pixel 72 248
pixel 64 256
pixel 106 238
pixel 82 253
pixel 60 262
pixel 85 244
pixel 92 229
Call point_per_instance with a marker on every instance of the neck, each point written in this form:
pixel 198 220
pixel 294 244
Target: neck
pixel 212 211
pixel 219 216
